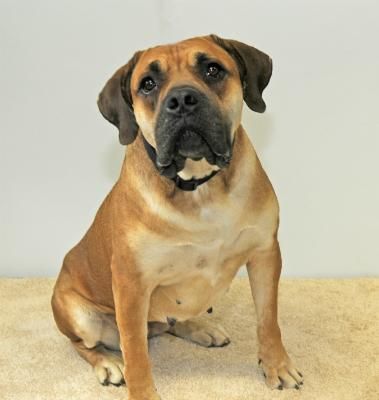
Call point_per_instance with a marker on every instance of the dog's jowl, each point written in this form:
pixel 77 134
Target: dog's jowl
pixel 191 206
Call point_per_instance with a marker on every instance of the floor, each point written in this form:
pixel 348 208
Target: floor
pixel 330 328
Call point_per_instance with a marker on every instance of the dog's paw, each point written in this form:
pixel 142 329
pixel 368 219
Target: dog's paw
pixel 213 336
pixel 202 333
pixel 109 370
pixel 279 371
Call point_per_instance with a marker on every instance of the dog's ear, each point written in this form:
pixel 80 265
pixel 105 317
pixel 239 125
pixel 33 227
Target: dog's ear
pixel 115 102
pixel 255 70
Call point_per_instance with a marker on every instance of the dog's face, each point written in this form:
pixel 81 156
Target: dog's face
pixel 187 98
pixel 187 101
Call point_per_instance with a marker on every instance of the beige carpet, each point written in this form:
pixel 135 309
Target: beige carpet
pixel 330 327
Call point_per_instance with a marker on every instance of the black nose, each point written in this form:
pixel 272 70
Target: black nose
pixel 182 100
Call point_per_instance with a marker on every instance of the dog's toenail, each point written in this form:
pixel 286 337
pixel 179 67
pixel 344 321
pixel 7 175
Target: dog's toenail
pixel 259 362
pixel 178 302
pixel 210 310
pixel 280 387
pixel 297 387
pixel 264 375
pixel 300 373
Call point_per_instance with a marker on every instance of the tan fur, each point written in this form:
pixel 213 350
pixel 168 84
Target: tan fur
pixel 154 251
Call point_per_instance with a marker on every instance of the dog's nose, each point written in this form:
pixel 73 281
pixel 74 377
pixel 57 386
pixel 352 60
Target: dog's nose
pixel 182 100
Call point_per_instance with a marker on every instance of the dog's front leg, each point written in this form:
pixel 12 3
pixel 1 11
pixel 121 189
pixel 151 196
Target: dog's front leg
pixel 132 298
pixel 264 269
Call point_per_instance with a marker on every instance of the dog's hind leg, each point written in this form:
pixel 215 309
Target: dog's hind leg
pixel 157 328
pixel 93 334
pixel 107 364
pixel 201 332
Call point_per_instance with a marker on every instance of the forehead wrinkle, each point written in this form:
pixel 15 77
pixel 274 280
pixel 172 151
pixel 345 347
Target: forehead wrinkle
pixel 176 59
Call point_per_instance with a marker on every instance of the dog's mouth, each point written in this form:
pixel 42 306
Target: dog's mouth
pixel 191 143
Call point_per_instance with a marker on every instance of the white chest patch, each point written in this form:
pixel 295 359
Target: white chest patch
pixel 196 267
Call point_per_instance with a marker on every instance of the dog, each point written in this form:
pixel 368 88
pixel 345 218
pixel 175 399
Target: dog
pixel 191 206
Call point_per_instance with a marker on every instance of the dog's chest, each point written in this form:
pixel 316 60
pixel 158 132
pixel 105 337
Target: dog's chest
pixel 196 267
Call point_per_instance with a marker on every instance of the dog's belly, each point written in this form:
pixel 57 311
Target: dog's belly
pixel 185 300
pixel 192 277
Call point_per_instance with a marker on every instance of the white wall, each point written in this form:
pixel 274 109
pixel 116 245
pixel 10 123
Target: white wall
pixel 318 139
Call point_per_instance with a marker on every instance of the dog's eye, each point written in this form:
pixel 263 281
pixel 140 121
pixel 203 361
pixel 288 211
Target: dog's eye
pixel 147 85
pixel 213 70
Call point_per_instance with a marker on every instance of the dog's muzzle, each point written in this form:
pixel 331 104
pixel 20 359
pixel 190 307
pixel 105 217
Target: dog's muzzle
pixel 190 126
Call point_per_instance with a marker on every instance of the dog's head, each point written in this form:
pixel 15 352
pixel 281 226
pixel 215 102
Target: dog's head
pixel 187 98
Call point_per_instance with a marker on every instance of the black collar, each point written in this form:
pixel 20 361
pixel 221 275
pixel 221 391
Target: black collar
pixel 187 185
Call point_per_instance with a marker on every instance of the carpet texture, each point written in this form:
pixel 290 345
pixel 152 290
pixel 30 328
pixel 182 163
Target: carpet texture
pixel 330 328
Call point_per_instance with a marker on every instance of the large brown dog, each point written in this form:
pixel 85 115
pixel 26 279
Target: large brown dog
pixel 191 206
